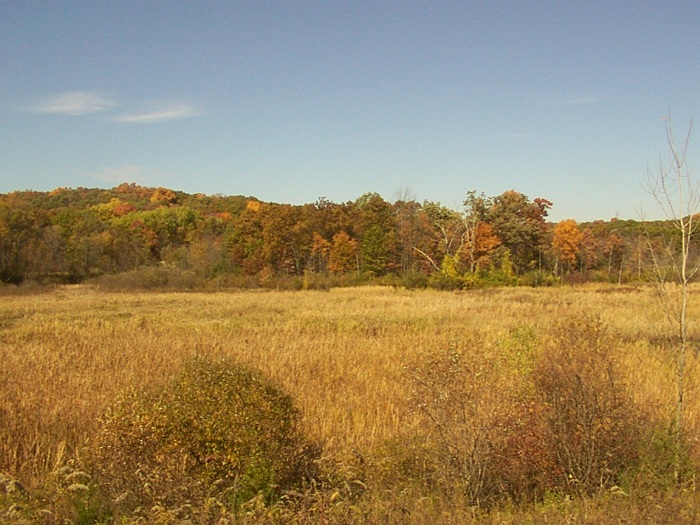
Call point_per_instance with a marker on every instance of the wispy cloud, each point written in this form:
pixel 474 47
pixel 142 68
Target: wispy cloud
pixel 170 111
pixel 576 101
pixel 77 103
pixel 128 173
pixel 73 103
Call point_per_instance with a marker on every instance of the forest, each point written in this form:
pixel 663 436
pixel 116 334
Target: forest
pixel 133 236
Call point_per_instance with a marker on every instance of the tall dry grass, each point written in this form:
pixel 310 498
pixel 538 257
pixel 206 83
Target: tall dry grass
pixel 65 356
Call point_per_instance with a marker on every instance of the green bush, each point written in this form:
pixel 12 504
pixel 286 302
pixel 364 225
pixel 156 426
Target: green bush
pixel 537 278
pixel 488 279
pixel 443 281
pixel 414 280
pixel 217 432
pixel 496 278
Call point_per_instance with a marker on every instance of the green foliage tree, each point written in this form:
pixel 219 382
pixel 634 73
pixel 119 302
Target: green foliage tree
pixel 128 244
pixel 287 238
pixel 20 223
pixel 375 250
pixel 520 225
pixel 376 227
pixel 244 240
pixel 408 231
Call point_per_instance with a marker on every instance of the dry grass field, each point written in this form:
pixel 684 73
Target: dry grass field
pixel 349 358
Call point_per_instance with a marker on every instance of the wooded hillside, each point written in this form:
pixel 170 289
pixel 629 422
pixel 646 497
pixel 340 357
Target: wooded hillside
pixel 70 235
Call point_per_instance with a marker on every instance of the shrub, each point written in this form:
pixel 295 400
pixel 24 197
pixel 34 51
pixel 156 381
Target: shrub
pixel 497 278
pixel 443 281
pixel 151 278
pixel 456 392
pixel 537 278
pixel 527 464
pixel 594 427
pixel 216 432
pixel 415 280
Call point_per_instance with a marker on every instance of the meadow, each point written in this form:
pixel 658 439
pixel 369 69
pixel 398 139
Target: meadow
pixel 364 366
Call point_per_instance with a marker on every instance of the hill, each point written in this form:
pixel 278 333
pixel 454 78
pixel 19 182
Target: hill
pixel 162 237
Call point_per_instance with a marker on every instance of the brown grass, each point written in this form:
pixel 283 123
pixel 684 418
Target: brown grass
pixel 67 355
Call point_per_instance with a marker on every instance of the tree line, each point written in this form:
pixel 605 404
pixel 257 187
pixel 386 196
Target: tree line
pixel 71 235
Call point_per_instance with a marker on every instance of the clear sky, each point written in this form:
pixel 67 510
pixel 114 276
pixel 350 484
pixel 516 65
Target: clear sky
pixel 290 101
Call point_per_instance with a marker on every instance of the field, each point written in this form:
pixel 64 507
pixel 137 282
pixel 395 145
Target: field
pixel 354 362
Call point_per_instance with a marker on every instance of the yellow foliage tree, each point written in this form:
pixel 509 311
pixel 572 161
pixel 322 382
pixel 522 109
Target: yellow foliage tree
pixel 566 243
pixel 254 205
pixel 163 196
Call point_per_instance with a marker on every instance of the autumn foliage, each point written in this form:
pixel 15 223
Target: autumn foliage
pixel 73 235
pixel 566 243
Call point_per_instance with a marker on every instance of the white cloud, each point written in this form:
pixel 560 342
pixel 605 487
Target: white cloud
pixel 76 103
pixel 73 103
pixel 166 112
pixel 128 173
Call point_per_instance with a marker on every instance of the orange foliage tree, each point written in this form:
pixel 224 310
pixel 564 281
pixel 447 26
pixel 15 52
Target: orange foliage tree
pixel 343 253
pixel 566 243
pixel 483 243
pixel 319 253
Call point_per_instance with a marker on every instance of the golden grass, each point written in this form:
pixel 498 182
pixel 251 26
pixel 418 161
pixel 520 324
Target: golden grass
pixel 68 354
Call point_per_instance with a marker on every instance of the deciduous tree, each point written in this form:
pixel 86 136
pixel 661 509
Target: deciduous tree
pixel 479 238
pixel 448 234
pixel 408 230
pixel 566 243
pixel 677 194
pixel 520 225
pixel 343 254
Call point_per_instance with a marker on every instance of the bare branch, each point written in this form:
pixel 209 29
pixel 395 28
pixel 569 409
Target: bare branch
pixel 679 198
pixel 427 257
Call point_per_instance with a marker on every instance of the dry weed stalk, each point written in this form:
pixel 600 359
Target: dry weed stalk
pixel 66 355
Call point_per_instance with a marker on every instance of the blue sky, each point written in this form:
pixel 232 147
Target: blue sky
pixel 291 101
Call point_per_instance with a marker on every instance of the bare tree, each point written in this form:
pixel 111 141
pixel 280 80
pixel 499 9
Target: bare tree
pixel 677 194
